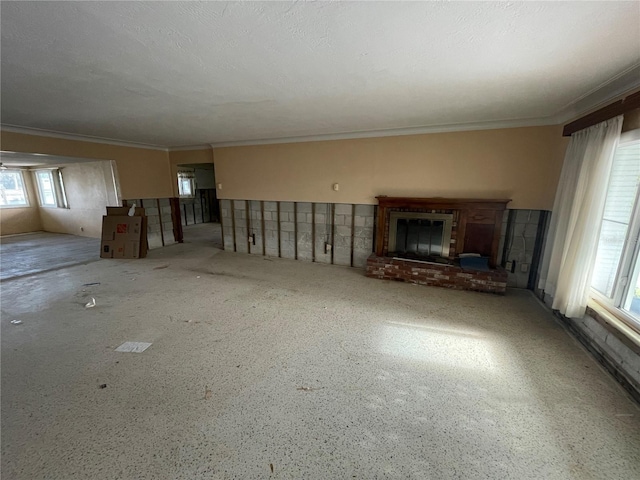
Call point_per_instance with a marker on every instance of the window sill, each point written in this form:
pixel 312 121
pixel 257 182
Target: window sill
pixel 2 207
pixel 615 323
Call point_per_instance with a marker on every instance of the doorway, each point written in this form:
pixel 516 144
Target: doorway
pixel 199 205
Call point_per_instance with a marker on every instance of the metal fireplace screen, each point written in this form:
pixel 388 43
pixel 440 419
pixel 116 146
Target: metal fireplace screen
pixel 420 235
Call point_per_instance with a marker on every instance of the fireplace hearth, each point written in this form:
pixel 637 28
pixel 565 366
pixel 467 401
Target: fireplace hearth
pixel 419 240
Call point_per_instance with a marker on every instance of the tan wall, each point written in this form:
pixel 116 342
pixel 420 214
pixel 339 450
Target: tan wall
pixel 143 173
pixel 631 120
pixel 22 219
pixel 89 188
pixel 205 178
pixel 187 157
pixel 519 163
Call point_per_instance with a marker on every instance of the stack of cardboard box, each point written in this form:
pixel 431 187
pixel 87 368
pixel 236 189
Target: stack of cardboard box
pixel 123 235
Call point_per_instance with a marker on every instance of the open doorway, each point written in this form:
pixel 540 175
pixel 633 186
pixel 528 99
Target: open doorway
pixel 199 205
pixel 51 210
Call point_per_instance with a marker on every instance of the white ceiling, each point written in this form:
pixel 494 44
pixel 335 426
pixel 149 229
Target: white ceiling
pixel 190 73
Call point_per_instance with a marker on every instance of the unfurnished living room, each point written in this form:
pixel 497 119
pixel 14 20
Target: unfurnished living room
pixel 320 240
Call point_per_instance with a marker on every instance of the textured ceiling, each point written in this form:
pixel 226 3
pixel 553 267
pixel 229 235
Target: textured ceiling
pixel 186 73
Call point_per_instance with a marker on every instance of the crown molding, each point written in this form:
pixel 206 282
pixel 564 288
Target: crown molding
pixel 78 137
pixel 188 148
pixel 392 132
pixel 396 132
pixel 613 89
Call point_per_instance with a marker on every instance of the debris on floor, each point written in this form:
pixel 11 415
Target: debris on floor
pixel 103 385
pixel 207 393
pixel 90 284
pixel 160 267
pixel 91 304
pixel 271 466
pixel 16 322
pixel 133 347
pixel 307 389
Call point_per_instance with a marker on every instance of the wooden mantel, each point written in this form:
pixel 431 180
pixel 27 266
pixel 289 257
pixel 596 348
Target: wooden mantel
pixel 478 222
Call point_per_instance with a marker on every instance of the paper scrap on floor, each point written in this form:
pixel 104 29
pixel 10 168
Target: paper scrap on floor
pixel 133 347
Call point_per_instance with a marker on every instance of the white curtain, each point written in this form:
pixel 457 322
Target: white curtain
pixel 567 264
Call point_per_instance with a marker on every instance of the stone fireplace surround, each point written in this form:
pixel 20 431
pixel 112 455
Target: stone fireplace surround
pixel 475 229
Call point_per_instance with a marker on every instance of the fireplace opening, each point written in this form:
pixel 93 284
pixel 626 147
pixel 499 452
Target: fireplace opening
pixel 422 236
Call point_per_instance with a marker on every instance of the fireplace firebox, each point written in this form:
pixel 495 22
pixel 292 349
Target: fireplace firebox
pixel 420 235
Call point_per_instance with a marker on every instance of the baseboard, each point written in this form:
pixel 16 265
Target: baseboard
pixel 603 358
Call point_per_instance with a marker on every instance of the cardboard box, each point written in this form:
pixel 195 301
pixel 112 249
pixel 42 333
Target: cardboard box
pixel 124 211
pixel 118 227
pixel 120 249
pixel 138 212
pixel 123 236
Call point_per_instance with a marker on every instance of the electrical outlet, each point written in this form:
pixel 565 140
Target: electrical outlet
pixel 252 238
pixel 327 247
pixel 524 267
pixel 509 266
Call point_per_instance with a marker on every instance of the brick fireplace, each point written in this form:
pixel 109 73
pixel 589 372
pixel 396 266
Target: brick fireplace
pixel 420 240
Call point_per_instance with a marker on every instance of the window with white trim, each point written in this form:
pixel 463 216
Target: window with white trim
pixel 616 275
pixel 51 188
pixel 13 192
pixel 186 184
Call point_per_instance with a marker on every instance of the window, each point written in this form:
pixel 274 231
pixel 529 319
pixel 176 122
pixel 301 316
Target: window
pixel 616 275
pixel 12 190
pixel 186 184
pixel 51 188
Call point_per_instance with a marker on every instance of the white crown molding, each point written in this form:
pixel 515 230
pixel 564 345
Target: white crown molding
pixel 613 89
pixel 396 132
pixel 78 137
pixel 188 148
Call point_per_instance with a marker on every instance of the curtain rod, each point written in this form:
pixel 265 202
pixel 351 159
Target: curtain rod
pixel 631 102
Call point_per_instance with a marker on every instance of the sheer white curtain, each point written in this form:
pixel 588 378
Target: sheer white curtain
pixel 567 264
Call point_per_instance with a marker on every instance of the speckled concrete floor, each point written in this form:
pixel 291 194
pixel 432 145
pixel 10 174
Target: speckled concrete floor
pixel 203 233
pixel 312 371
pixel 44 251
